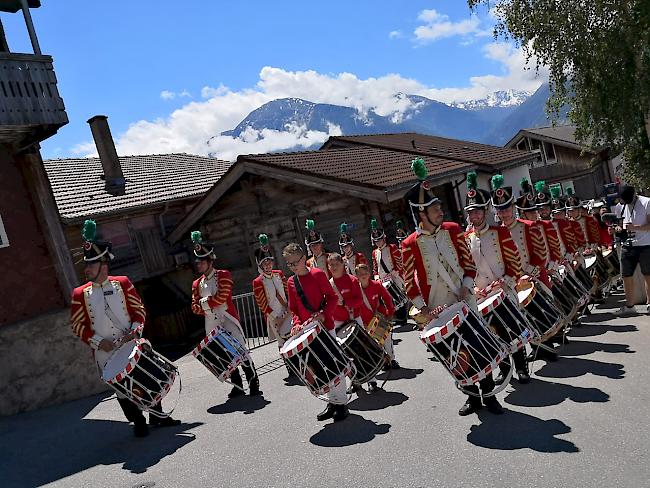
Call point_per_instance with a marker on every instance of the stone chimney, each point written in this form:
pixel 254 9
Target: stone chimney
pixel 113 176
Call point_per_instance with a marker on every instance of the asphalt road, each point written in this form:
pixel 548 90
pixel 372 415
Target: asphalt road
pixel 582 421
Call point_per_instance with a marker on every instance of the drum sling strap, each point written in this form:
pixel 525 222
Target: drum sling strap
pixel 303 297
pixel 381 261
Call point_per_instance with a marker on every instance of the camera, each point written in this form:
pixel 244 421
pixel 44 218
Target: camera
pixel 625 237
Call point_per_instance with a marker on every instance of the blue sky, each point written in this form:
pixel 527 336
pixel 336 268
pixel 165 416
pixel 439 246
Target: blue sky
pixel 171 74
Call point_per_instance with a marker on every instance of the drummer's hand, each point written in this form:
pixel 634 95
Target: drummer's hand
pixel 479 292
pixel 463 292
pixel 320 317
pixel 130 336
pixel 296 329
pixel 106 345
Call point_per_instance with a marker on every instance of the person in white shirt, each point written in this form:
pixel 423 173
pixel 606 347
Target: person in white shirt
pixel 635 237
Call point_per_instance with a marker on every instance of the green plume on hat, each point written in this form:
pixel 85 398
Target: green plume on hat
pixel 264 239
pixel 343 228
pixel 525 186
pixel 569 191
pixel 373 224
pixel 197 238
pixel 310 224
pixel 555 191
pixel 89 231
pixel 399 224
pixel 419 168
pixel 539 186
pixel 497 182
pixel 471 180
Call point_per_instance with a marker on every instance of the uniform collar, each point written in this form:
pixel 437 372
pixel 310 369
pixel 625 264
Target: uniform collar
pixel 514 224
pixel 210 274
pixel 421 231
pixel 265 275
pixel 100 285
pixel 483 229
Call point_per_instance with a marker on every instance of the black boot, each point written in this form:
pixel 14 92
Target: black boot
pixel 471 405
pixel 373 387
pixel 238 385
pixel 523 376
pixel 155 421
pixel 328 413
pixel 140 428
pixel 340 412
pixel 493 405
pixel 253 379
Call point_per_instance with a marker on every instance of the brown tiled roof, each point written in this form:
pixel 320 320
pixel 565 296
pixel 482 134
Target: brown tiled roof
pixel 151 179
pixel 440 147
pixel 367 166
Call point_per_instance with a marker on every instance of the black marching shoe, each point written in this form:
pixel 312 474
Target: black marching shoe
pixel 163 421
pixel 140 428
pixel 523 377
pixel 328 413
pixel 470 406
pixel 499 380
pixel 493 405
pixel 340 412
pixel 354 388
pixel 394 365
pixel 254 387
pixel 373 387
pixel 236 392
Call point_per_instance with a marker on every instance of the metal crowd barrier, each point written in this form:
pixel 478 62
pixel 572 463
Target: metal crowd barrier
pixel 252 321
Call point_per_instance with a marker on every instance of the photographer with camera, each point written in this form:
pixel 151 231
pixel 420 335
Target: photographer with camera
pixel 634 235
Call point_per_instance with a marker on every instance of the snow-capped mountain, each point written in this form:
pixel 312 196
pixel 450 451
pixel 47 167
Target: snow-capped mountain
pixel 502 98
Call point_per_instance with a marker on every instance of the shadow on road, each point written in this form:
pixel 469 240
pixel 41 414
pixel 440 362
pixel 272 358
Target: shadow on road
pixel 377 401
pixel 588 330
pixel 353 430
pixel 57 451
pixel 574 367
pixel 400 374
pixel 515 430
pixel 545 393
pixel 582 348
pixel 245 404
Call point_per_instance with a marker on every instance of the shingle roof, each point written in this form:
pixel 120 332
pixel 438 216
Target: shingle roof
pixel 440 147
pixel 367 166
pixel 151 179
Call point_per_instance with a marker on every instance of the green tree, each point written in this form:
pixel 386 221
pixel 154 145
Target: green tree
pixel 598 54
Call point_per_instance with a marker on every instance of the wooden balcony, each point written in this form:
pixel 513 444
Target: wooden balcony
pixel 31 108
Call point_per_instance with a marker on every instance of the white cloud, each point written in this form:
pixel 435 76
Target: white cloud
pixel 85 149
pixel 395 34
pixel 170 95
pixel 190 127
pixel 438 26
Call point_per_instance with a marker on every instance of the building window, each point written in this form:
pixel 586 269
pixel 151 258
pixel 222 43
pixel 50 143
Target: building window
pixel 549 152
pixel 522 145
pixel 535 146
pixel 566 185
pixel 4 241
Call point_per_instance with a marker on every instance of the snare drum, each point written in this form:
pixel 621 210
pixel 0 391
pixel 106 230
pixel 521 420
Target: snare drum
pixel 315 356
pixel 221 353
pixel 506 320
pixel 467 349
pixel 610 257
pixel 396 293
pixel 540 312
pixel 562 295
pixel 139 373
pixel 368 356
pixel 379 329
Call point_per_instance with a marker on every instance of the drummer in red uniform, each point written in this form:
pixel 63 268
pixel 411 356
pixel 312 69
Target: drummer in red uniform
pixel 107 312
pixel 316 248
pixel 439 270
pixel 497 262
pixel 350 258
pixel 311 296
pixel 376 300
pixel 212 299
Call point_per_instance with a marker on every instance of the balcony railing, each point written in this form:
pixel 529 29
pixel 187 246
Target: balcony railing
pixel 31 108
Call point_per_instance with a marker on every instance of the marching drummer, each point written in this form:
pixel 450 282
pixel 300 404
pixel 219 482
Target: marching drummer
pixel 350 258
pixel 497 262
pixel 107 312
pixel 526 235
pixel 376 300
pixel 439 270
pixel 347 290
pixel 316 248
pixel 270 291
pixel 311 296
pixel 387 264
pixel 212 298
pixel 400 233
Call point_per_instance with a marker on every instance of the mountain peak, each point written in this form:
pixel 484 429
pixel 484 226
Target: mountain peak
pixel 501 98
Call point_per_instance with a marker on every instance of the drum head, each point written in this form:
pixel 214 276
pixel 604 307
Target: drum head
pixel 445 324
pixel 492 301
pixel 525 296
pixel 606 253
pixel 119 360
pixel 298 342
pixel 347 331
pixel 590 261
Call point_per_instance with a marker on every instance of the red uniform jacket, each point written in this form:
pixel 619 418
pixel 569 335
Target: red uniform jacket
pixel 552 239
pixel 593 230
pixel 80 320
pixel 509 252
pixel 414 265
pixel 581 239
pixel 223 296
pixel 379 300
pixel 567 235
pixel 319 293
pixel 605 237
pixel 359 258
pixel 260 293
pixel 396 257
pixel 349 288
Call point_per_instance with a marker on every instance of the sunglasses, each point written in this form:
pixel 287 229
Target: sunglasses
pixel 293 264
